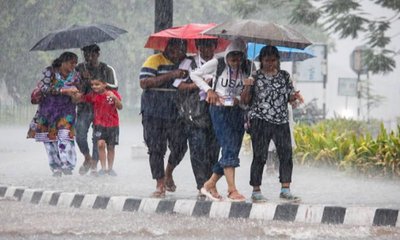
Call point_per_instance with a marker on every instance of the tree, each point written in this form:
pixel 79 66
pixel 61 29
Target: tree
pixel 277 11
pixel 25 22
pixel 348 19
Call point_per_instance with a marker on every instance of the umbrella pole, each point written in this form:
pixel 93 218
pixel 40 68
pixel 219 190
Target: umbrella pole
pixel 253 58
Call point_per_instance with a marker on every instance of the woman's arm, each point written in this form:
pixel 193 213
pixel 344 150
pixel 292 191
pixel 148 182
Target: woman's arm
pixel 197 76
pixel 245 96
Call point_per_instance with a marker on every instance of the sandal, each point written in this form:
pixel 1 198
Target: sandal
pixel 158 193
pixel 235 196
pixel 170 185
pixel 213 195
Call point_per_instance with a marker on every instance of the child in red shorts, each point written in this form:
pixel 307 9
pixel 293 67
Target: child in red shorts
pixel 105 102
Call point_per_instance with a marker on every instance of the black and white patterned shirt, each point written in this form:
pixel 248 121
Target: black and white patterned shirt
pixel 271 96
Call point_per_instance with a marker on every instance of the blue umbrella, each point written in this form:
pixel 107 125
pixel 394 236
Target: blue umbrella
pixel 287 54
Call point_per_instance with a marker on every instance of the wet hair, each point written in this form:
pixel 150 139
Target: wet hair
pixel 269 51
pixel 205 42
pixel 91 48
pixel 98 79
pixel 181 43
pixel 235 54
pixel 98 76
pixel 64 57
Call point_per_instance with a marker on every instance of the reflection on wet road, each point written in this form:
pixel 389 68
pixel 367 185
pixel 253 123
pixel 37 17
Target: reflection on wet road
pixel 23 163
pixel 27 221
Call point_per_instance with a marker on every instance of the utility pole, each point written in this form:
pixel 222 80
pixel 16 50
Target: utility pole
pixel 163 14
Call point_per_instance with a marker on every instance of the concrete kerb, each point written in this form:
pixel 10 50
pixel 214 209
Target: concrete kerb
pixel 361 216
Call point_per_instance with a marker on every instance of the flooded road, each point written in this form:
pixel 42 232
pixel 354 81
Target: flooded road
pixel 27 221
pixel 24 163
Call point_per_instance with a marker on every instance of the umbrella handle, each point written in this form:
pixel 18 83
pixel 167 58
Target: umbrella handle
pixel 253 58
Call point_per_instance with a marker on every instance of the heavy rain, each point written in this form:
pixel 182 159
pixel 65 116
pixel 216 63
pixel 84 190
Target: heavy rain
pixel 340 119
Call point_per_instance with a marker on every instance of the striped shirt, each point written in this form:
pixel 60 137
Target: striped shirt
pixel 160 101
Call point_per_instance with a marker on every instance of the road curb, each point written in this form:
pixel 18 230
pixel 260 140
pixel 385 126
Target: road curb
pixel 361 216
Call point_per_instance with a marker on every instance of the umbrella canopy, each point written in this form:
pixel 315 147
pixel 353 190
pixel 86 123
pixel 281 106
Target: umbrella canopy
pixel 286 54
pixel 189 32
pixel 260 32
pixel 78 36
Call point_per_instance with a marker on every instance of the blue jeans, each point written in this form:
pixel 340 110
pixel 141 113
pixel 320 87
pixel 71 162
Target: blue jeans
pixel 83 121
pixel 228 123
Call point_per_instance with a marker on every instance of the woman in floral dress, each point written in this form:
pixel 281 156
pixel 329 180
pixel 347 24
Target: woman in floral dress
pixel 56 114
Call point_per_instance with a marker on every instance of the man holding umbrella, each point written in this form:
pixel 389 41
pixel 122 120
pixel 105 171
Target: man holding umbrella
pixel 88 69
pixel 158 108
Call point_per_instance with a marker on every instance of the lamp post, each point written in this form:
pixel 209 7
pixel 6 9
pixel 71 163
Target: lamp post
pixel 359 66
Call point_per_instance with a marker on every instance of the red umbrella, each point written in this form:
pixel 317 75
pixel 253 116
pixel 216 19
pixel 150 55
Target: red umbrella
pixel 190 32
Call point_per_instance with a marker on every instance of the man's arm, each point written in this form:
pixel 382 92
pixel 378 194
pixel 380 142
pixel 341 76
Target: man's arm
pixel 157 81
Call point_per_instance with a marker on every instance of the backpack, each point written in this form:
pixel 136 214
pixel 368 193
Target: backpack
pixel 190 109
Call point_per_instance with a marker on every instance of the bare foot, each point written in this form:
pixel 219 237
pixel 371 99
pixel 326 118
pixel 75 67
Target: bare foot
pixel 170 184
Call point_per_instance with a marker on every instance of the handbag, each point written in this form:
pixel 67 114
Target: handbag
pixel 192 110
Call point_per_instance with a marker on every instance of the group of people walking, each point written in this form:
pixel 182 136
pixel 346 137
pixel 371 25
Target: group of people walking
pixel 230 92
pixel 73 97
pixel 198 103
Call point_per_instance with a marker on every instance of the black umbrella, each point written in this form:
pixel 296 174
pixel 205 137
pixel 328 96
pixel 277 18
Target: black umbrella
pixel 78 36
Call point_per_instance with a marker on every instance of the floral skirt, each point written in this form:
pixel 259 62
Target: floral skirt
pixel 44 131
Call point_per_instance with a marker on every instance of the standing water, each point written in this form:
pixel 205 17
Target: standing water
pixel 23 163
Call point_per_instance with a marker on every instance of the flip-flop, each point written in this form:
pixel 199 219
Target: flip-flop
pixel 158 193
pixel 238 198
pixel 204 191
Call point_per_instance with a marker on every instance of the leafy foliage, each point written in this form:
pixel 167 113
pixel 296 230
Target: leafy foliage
pixel 26 22
pixel 348 19
pixel 341 143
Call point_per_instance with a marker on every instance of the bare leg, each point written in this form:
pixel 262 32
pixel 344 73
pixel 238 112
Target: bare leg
pixel 160 189
pixel 101 144
pixel 88 159
pixel 110 156
pixel 233 193
pixel 169 179
pixel 229 173
pixel 211 185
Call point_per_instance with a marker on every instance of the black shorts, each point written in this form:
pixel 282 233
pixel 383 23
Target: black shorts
pixel 109 134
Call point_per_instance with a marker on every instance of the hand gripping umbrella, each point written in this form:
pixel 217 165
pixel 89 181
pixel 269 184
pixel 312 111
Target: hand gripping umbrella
pixel 78 36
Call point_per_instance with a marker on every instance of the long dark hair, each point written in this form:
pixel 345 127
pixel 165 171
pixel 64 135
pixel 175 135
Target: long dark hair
pixel 64 57
pixel 269 51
